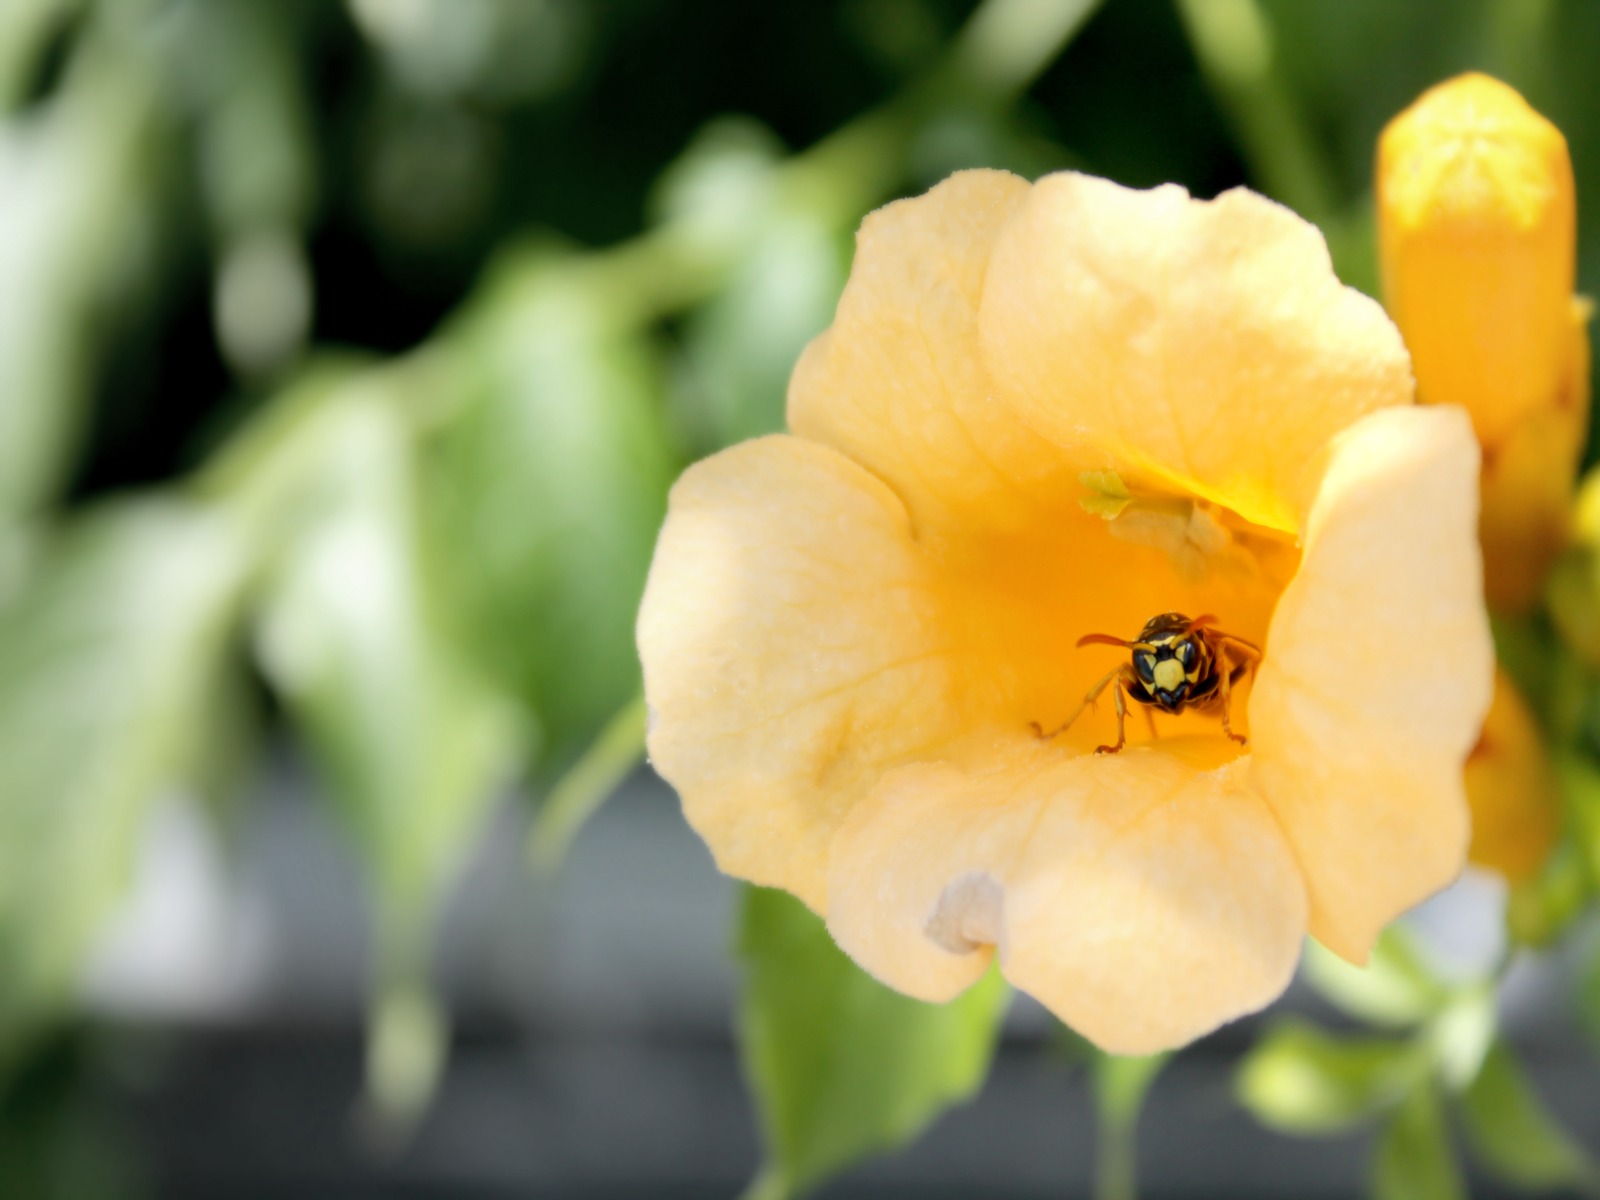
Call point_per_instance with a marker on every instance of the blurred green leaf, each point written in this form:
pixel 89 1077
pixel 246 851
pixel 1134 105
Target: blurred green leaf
pixel 1513 1133
pixel 1414 1159
pixel 26 27
pixel 1541 909
pixel 411 744
pixel 723 185
pixel 786 240
pixel 550 485
pixel 224 764
pixel 76 204
pixel 1589 995
pixel 60 1133
pixel 1528 649
pixel 1300 1079
pixel 842 1066
pixel 1395 988
pixel 106 658
pixel 743 345
pixel 1580 793
pixel 1462 1032
pixel 1573 598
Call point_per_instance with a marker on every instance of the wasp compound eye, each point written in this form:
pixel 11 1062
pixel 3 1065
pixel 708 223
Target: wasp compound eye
pixel 1145 663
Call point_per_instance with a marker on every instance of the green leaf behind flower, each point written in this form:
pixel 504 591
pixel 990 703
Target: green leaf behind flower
pixel 842 1066
pixel 106 660
pixel 1514 1134
pixel 410 742
pixel 551 485
pixel 1414 1158
pixel 1300 1079
pixel 1394 989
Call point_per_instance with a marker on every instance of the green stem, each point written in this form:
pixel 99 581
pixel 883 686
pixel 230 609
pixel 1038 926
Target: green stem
pixel 583 789
pixel 1116 1163
pixel 1515 35
pixel 1121 1084
pixel 1233 43
pixel 767 1185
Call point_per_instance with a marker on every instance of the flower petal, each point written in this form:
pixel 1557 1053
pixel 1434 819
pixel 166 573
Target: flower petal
pixel 1378 674
pixel 1208 344
pixel 1143 899
pixel 789 653
pixel 897 382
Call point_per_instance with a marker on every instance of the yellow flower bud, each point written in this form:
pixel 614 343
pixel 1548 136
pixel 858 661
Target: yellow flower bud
pixel 1477 231
pixel 1477 234
pixel 1511 789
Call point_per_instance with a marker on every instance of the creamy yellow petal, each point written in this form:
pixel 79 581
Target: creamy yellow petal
pixel 1143 900
pixel 1511 788
pixel 1377 674
pixel 897 383
pixel 1477 225
pixel 1208 345
pixel 789 653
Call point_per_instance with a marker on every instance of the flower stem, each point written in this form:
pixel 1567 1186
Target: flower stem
pixel 1120 1086
pixel 1233 43
pixel 583 789
pixel 1115 1167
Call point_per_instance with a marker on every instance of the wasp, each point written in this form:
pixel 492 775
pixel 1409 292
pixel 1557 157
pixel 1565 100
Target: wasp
pixel 1177 664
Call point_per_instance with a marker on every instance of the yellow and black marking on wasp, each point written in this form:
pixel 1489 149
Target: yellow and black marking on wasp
pixel 1177 664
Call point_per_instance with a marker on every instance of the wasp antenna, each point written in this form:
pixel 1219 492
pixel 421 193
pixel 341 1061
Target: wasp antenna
pixel 1102 639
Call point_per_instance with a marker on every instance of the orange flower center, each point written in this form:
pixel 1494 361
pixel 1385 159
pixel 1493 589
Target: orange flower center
pixel 1017 601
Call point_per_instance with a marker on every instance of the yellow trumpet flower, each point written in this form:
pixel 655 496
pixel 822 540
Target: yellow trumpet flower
pixel 1055 410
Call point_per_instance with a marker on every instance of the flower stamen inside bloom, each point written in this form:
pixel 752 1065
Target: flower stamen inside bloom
pixel 1195 534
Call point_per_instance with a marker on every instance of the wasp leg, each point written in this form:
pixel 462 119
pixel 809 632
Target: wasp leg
pixel 1231 671
pixel 1122 713
pixel 1150 720
pixel 1089 698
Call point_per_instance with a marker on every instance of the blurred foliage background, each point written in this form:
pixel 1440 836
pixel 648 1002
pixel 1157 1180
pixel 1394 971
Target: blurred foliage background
pixel 348 352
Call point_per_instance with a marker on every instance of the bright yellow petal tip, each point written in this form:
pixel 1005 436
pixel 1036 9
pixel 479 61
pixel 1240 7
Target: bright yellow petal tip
pixel 1477 234
pixel 1049 411
pixel 1511 789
